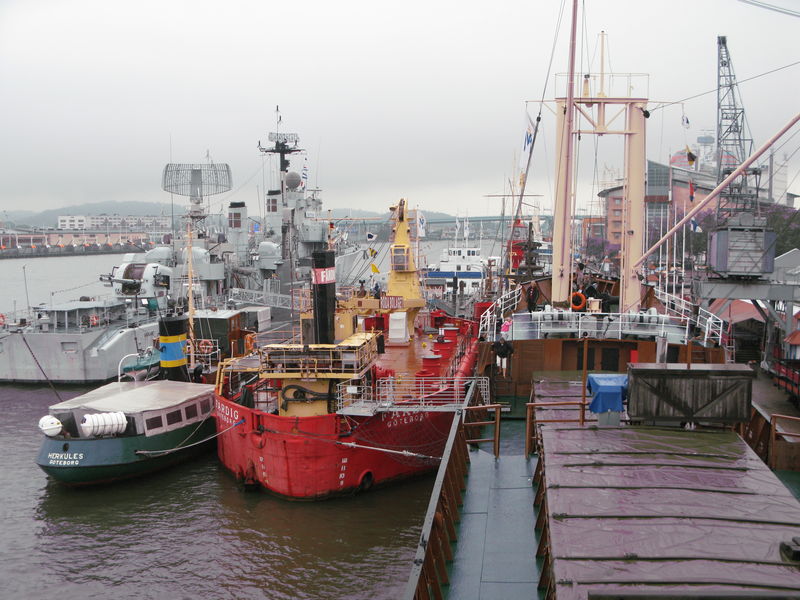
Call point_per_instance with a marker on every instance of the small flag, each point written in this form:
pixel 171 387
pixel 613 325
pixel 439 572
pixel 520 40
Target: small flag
pixel 421 221
pixel 304 175
pixel 690 156
pixel 691 191
pixel 685 122
pixel 371 237
pixel 466 228
pixel 373 252
pixel 374 268
pixel 695 226
pixel 527 144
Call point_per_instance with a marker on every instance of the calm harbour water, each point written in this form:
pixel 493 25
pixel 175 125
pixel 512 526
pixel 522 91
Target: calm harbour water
pixel 189 532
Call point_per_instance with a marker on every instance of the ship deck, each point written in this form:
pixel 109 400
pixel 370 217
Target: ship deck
pixel 627 510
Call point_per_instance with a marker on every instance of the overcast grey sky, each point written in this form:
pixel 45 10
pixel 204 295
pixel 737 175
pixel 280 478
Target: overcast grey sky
pixel 423 100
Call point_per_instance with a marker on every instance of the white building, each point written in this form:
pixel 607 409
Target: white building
pixel 114 222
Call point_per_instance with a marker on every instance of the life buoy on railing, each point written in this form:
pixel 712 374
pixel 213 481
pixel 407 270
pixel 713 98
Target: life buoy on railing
pixel 2 320
pixel 577 301
pixel 205 346
pixel 94 320
pixel 249 342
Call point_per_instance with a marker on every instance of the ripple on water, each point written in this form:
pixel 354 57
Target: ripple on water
pixel 192 532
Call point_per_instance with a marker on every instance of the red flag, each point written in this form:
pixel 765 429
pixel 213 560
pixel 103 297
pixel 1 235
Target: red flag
pixel 691 191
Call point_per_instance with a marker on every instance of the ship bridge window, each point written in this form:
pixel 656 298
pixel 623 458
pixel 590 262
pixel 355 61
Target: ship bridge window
pixel 205 406
pixel 174 417
pixel 154 423
pixel 235 220
pixel 69 347
pixel 191 412
pixel 400 260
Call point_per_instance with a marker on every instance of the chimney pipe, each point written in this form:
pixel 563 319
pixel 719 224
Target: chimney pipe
pixel 323 274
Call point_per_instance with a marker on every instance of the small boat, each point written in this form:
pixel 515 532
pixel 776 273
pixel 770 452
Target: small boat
pixel 125 429
pixel 129 428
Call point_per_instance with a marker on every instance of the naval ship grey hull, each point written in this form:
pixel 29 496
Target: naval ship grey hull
pixel 90 356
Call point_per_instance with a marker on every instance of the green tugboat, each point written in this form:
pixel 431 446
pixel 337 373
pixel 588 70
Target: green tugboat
pixel 129 428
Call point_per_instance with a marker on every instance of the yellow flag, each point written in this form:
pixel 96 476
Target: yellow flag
pixel 374 268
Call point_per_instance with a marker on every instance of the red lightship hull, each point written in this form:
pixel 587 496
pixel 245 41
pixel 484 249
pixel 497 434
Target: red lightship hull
pixel 315 457
pixel 305 459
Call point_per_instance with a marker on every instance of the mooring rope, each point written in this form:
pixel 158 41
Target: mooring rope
pixel 156 453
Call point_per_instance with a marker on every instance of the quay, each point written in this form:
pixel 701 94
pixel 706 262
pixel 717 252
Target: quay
pixel 69 250
pixel 613 512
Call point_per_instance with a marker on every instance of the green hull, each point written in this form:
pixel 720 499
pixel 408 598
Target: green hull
pixel 76 461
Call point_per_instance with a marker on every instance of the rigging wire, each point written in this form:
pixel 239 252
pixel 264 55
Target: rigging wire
pixel 714 91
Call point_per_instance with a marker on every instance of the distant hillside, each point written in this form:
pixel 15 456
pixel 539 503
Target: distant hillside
pixel 49 218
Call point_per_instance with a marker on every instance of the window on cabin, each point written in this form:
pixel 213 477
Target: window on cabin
pixel 174 417
pixel 205 406
pixel 191 411
pixel 400 259
pixel 154 422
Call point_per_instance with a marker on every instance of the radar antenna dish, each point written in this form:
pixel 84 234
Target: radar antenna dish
pixel 196 181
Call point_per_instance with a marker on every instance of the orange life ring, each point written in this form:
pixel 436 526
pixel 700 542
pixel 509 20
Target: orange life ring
pixel 577 301
pixel 2 320
pixel 205 346
pixel 249 342
pixel 94 320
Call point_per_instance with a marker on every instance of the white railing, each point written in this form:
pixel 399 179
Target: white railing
pixel 556 323
pixel 505 304
pixel 205 351
pixel 262 298
pixel 710 324
pixel 411 395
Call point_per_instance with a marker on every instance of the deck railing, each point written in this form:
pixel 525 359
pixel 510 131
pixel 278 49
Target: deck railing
pixel 543 324
pixel 709 323
pixel 505 304
pixel 414 394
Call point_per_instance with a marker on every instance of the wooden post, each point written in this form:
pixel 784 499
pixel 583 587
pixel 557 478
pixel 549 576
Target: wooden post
pixel 528 429
pixel 585 376
pixel 497 431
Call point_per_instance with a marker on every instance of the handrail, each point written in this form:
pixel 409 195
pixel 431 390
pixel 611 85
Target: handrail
pixel 708 322
pixel 499 308
pixel 496 422
pixel 529 418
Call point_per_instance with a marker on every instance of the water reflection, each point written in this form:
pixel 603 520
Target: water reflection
pixel 192 531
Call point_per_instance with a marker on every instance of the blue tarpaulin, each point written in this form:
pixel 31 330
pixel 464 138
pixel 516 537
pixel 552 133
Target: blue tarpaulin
pixel 608 392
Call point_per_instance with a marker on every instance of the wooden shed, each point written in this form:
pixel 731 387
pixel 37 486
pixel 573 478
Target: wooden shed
pixel 709 393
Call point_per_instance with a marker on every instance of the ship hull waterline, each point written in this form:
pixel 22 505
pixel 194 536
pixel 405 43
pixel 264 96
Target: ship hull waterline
pixel 307 459
pixel 83 462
